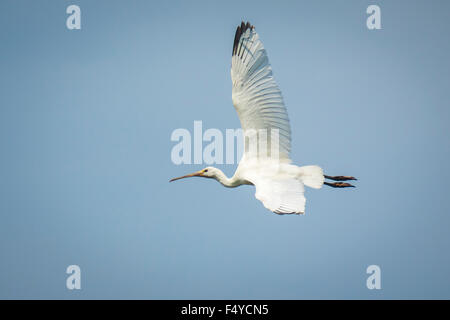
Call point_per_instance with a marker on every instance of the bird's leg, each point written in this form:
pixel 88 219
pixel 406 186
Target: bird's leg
pixel 339 184
pixel 340 178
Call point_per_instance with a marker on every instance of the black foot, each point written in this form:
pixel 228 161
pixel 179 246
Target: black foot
pixel 339 184
pixel 340 178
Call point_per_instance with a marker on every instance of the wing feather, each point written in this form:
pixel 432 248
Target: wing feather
pixel 256 96
pixel 281 195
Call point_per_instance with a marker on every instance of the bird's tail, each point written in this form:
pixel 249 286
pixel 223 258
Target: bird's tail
pixel 311 176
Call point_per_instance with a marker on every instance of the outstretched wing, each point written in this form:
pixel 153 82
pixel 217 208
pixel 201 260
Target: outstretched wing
pixel 281 195
pixel 256 96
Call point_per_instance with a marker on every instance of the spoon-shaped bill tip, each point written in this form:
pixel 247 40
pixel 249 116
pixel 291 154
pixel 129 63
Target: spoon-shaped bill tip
pixel 195 174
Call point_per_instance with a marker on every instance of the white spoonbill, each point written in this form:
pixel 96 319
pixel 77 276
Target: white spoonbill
pixel 259 104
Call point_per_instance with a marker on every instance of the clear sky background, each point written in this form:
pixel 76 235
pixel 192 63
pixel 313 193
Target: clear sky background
pixel 85 124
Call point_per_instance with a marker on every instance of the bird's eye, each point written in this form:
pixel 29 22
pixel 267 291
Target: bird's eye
pixel 206 170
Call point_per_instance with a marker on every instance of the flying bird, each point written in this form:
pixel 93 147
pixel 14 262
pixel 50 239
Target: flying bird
pixel 280 185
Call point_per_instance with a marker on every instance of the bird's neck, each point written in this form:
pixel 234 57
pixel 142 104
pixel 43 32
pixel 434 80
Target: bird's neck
pixel 227 182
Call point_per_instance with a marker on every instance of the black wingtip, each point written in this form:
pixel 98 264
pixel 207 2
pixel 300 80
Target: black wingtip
pixel 239 31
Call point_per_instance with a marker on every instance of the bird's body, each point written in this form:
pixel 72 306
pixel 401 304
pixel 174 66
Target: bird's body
pixel 258 101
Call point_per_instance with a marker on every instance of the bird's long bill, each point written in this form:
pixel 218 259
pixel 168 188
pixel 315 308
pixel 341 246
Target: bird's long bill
pixel 195 174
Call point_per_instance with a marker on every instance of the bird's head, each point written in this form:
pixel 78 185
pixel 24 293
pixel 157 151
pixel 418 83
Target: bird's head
pixel 208 172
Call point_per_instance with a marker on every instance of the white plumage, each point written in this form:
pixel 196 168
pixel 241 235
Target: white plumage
pixel 255 94
pixel 280 185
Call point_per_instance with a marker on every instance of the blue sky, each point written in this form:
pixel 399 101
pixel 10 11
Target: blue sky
pixel 86 118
